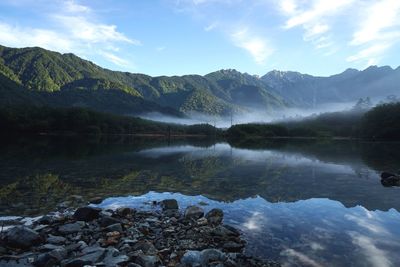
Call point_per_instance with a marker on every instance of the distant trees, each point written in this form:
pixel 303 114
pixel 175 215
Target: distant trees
pixel 363 104
pixel 257 130
pixel 382 122
pixel 34 120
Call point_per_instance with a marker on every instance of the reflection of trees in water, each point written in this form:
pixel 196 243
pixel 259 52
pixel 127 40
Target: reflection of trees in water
pixel 381 156
pixel 223 176
pixel 363 172
pixel 34 194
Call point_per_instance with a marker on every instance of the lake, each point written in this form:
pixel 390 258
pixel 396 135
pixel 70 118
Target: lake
pixel 301 202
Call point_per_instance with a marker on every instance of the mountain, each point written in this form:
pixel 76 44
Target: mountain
pixel 41 77
pixel 50 78
pixel 304 90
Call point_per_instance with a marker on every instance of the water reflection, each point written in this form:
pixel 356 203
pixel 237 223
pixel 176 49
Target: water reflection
pixel 34 176
pixel 313 232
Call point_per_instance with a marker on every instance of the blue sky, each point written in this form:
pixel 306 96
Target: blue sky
pixel 175 37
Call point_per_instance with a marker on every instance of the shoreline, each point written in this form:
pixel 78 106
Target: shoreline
pixel 125 237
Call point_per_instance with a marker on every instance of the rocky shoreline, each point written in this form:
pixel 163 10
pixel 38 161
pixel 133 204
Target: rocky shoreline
pixel 90 236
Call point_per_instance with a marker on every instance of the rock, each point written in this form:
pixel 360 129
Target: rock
pixel 191 258
pixel 385 175
pixel 49 247
pixel 46 260
pixel 114 258
pixel 11 220
pixel 169 204
pixel 22 237
pixel 215 216
pixel 56 240
pixel 87 213
pixel 231 246
pixel 211 255
pixel 202 222
pixel 171 213
pixel 96 200
pixel 147 247
pixel 46 220
pixel 117 227
pixel 391 181
pixel 71 228
pixel 147 261
pixel 108 220
pixel 194 212
pixel 77 263
pixel 92 255
pixel 125 211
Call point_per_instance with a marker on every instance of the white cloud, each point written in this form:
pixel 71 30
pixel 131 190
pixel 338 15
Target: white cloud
pixel 211 27
pixel 288 6
pixel 73 7
pixel 370 53
pixel 92 32
pixel 21 37
pixel 115 59
pixel 314 30
pixel 315 18
pixel 378 30
pixel 379 23
pixel 160 48
pixel 73 28
pixel 320 9
pixel 257 46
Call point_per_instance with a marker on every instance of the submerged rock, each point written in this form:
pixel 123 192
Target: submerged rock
pixel 169 204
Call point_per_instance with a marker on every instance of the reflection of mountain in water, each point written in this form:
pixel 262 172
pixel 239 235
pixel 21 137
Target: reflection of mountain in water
pixel 278 172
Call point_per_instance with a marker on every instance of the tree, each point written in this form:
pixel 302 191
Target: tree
pixel 363 104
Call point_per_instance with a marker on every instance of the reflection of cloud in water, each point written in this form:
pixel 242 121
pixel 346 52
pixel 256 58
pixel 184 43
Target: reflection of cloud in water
pixel 302 258
pixel 376 256
pixel 255 156
pixel 367 223
pixel 254 222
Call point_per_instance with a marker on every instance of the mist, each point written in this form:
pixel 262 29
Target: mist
pixel 252 116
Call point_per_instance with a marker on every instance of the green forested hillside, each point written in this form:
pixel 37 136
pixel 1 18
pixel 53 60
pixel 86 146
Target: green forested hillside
pixel 67 80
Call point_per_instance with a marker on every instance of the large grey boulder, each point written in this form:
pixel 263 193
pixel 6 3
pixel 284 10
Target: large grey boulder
pixel 22 237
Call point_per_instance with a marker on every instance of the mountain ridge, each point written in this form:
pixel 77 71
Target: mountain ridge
pixel 57 79
pixel 47 72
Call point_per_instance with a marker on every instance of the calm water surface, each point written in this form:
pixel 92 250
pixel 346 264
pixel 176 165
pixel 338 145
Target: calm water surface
pixel 303 203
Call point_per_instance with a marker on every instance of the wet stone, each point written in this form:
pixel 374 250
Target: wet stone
pixel 22 237
pixel 194 212
pixel 169 204
pixel 71 227
pixel 87 214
